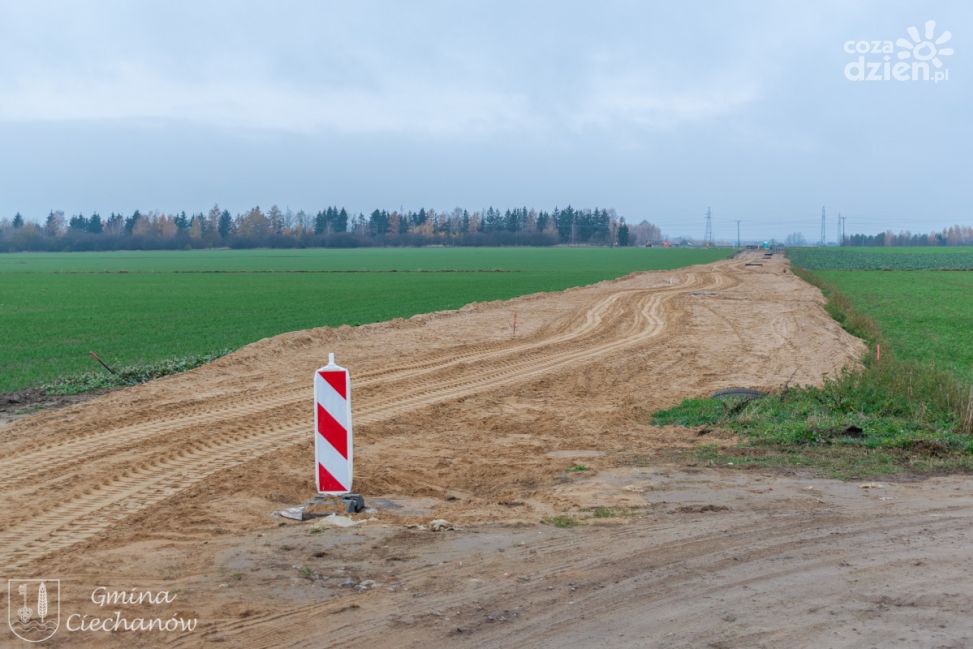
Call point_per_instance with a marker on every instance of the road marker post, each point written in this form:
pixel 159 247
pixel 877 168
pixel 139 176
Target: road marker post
pixel 333 442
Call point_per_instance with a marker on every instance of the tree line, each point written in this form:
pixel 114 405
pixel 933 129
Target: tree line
pixel 330 227
pixel 956 235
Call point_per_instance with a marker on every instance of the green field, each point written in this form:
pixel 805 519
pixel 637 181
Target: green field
pixel 141 307
pixel 925 315
pixel 907 258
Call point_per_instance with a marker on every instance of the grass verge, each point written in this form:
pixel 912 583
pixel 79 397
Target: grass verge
pixel 561 521
pixel 128 375
pixel 888 416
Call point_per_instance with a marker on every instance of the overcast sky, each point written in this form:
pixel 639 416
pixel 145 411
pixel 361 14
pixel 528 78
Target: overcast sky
pixel 656 109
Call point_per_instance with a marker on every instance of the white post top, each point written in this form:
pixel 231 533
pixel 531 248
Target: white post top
pixel 331 358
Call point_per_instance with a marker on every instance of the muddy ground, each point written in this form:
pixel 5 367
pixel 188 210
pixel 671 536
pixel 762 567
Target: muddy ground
pixel 169 486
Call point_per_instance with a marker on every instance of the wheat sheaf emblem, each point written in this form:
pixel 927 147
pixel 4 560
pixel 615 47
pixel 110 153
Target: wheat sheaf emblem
pixel 30 613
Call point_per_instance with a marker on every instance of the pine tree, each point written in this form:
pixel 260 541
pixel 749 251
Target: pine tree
pixel 226 224
pixel 131 221
pixel 78 223
pixel 54 224
pixel 94 224
pixel 622 234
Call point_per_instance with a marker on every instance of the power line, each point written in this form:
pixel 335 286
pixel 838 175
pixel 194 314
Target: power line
pixel 774 221
pixel 824 230
pixel 708 236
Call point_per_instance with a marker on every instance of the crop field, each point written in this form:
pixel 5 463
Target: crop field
pixel 143 307
pixel 941 258
pixel 926 314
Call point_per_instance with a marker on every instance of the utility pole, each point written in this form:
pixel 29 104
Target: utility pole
pixel 824 235
pixel 841 229
pixel 708 236
pixel 738 233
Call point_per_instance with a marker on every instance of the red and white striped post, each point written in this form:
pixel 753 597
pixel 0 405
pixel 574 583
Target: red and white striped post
pixel 333 451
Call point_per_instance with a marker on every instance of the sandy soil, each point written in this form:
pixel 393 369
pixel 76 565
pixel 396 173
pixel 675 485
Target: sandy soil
pixel 170 485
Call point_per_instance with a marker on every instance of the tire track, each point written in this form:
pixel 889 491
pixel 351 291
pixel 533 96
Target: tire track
pixel 684 561
pixel 31 462
pixel 425 393
pixel 46 529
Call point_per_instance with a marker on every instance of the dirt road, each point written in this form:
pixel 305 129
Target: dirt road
pixel 707 559
pixel 169 485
